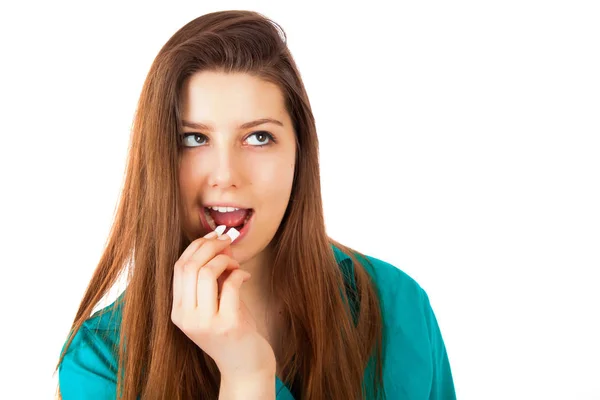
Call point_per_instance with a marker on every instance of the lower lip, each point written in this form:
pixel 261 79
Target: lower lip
pixel 243 231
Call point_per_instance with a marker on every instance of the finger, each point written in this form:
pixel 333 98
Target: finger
pixel 227 251
pixel 222 279
pixel 209 249
pixel 225 273
pixel 195 245
pixel 178 276
pixel 207 287
pixel 230 295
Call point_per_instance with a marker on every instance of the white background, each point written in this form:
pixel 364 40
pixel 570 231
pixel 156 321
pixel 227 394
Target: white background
pixel 460 141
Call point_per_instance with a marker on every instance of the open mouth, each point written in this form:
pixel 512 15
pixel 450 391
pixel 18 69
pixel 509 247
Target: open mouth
pixel 232 219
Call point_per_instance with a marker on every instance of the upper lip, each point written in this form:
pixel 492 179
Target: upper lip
pixel 226 204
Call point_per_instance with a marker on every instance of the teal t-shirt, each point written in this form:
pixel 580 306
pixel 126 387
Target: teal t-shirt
pixel 415 362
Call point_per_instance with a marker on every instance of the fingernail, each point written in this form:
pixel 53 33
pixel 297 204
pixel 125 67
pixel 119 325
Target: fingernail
pixel 248 276
pixel 211 235
pixel 220 229
pixel 233 234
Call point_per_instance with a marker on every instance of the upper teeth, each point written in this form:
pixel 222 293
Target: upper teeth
pixel 224 209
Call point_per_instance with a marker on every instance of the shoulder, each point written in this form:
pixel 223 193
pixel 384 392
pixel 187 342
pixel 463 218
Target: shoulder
pixel 404 303
pixel 396 288
pixel 89 366
pixel 415 359
pixel 416 362
pixel 100 332
pixel 401 297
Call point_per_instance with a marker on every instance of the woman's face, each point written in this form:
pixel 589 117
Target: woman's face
pixel 222 162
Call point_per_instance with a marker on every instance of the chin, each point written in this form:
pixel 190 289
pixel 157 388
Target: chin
pixel 242 253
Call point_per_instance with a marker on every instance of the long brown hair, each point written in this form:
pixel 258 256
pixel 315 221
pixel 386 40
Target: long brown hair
pixel 328 345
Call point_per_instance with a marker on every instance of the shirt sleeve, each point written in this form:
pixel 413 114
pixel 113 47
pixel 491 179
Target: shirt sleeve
pixel 88 369
pixel 442 387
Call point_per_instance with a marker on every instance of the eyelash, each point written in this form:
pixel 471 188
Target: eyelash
pixel 182 137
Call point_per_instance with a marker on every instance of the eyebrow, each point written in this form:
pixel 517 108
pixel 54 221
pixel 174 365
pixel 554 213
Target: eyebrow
pixel 246 125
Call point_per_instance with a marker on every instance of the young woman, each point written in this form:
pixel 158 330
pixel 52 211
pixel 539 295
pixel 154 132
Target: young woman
pixel 224 136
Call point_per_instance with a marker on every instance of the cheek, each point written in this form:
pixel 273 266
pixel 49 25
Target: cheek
pixel 274 180
pixel 191 174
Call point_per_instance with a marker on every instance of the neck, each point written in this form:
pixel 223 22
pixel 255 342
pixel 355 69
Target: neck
pixel 257 289
pixel 264 308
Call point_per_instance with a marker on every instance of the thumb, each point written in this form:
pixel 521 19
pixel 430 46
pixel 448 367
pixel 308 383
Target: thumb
pixel 227 251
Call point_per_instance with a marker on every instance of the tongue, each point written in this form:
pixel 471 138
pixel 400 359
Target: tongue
pixel 233 218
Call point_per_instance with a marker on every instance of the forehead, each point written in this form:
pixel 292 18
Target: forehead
pixel 218 96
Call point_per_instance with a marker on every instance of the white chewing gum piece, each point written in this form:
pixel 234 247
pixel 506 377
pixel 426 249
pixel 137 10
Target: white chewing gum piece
pixel 220 229
pixel 233 234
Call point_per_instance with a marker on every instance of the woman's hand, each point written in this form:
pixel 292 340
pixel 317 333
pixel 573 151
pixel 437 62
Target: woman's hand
pixel 213 316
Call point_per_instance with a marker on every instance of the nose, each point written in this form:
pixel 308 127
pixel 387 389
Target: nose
pixel 223 169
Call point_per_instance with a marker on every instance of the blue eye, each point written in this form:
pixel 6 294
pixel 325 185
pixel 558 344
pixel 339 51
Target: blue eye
pixel 196 136
pixel 264 138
